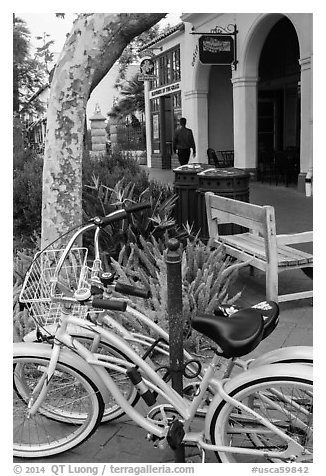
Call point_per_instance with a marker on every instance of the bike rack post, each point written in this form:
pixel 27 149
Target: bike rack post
pixel 174 306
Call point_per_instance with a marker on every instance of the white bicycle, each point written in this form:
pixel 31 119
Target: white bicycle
pixel 263 414
pixel 36 295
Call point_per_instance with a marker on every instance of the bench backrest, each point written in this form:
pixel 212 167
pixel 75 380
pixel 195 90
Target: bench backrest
pixel 258 219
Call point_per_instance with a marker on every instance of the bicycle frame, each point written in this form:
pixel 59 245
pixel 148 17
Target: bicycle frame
pixel 284 354
pixel 291 353
pixel 185 408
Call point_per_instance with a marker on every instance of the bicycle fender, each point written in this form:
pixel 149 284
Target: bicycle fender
pixel 275 370
pixel 36 349
pixel 285 355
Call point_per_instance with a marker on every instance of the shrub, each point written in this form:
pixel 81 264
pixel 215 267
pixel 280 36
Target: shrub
pixel 27 198
pixel 101 199
pixel 22 322
pixel 112 168
pixel 27 189
pixel 206 278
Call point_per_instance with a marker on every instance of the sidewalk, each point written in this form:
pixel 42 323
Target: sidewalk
pixel 124 442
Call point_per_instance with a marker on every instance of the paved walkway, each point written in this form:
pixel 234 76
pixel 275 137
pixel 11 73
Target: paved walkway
pixel 122 441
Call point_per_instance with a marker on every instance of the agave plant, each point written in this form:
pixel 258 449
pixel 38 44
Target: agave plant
pixel 146 223
pixel 207 275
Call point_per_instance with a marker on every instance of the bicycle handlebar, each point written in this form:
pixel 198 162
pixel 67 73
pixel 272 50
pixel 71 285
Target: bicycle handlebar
pixel 131 290
pixel 137 207
pixel 100 223
pixel 119 214
pixel 110 304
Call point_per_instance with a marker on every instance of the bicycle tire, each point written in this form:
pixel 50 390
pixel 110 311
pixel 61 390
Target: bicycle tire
pixel 285 355
pixel 230 426
pixel 112 410
pixel 41 435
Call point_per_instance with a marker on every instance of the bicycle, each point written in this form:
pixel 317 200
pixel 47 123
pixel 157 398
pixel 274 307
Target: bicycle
pixel 268 406
pixel 38 301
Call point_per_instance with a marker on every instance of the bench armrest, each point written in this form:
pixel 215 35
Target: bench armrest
pixel 304 237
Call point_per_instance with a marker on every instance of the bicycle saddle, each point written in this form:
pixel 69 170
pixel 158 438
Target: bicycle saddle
pixel 235 336
pixel 269 310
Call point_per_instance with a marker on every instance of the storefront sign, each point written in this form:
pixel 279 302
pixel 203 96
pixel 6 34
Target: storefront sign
pixel 216 49
pixel 146 69
pixel 171 88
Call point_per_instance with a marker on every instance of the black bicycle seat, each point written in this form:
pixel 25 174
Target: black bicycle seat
pixel 268 309
pixel 236 337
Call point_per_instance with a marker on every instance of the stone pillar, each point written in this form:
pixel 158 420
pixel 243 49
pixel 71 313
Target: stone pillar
pixel 306 141
pixel 114 136
pixel 98 133
pixel 245 122
pixel 195 110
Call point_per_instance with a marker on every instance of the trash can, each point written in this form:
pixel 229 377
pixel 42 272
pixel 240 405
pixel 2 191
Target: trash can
pixel 228 182
pixel 185 187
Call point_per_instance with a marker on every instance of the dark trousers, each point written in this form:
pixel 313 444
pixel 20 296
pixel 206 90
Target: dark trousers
pixel 183 155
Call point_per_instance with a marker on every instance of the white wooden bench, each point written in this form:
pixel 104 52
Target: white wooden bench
pixel 269 252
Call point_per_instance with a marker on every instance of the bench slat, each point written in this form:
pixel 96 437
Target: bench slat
pixel 245 243
pixel 236 207
pixel 288 255
pixel 303 237
pixel 224 217
pixel 255 245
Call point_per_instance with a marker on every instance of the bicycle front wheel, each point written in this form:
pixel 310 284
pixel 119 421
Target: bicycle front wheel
pixel 287 402
pixel 50 430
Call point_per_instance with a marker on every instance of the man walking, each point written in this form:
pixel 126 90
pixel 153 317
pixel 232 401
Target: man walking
pixel 183 141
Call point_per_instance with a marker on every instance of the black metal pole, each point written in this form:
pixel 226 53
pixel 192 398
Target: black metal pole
pixel 174 306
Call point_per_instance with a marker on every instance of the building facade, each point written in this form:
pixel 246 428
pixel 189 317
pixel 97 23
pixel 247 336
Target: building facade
pixel 259 106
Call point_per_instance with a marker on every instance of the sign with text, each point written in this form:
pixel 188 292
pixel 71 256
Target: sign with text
pixel 146 77
pixel 171 88
pixel 216 49
pixel 146 69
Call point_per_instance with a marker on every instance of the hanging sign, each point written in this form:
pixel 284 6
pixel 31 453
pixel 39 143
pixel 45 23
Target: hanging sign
pixel 146 69
pixel 216 49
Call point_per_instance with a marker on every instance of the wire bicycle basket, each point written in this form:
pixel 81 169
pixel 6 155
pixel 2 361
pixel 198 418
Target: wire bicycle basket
pixel 36 289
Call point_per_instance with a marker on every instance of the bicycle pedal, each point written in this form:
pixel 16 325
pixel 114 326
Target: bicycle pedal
pixel 175 434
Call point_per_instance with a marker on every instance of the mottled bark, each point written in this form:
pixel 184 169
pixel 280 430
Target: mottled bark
pixel 95 43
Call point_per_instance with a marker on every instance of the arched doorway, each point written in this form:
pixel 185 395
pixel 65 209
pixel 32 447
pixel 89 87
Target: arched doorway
pixel 278 109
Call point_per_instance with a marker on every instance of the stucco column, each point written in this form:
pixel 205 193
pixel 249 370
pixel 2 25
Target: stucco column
pixel 306 138
pixel 148 124
pixel 194 109
pixel 245 122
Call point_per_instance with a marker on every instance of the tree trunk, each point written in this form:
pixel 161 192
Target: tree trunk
pixel 95 43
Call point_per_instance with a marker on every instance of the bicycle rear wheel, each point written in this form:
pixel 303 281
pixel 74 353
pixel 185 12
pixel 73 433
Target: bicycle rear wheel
pixel 54 428
pixel 287 402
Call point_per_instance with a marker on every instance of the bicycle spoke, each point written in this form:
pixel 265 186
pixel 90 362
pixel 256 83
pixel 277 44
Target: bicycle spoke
pixel 288 406
pixel 70 411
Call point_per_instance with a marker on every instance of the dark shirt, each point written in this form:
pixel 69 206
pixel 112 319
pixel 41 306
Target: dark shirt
pixel 184 139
